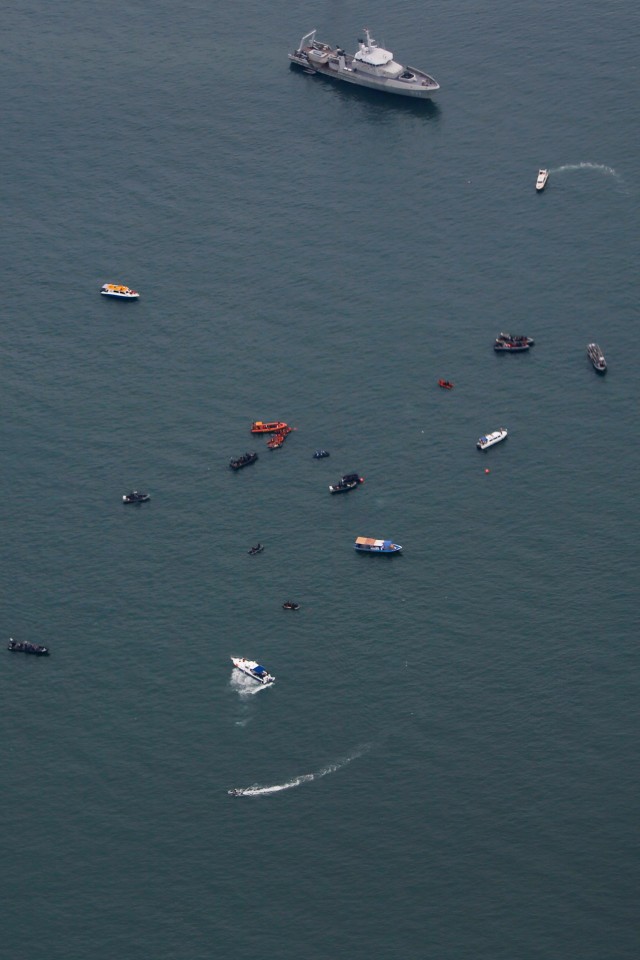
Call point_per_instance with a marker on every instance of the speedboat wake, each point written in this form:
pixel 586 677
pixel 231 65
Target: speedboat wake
pixel 259 791
pixel 244 686
pixel 597 167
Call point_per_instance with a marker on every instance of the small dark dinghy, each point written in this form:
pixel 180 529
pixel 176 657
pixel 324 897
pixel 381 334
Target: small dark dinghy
pixel 290 605
pixel 136 497
pixel 237 463
pixel 319 454
pixel 259 547
pixel 23 646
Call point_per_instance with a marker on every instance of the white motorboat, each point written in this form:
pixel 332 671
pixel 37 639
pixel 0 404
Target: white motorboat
pixel 541 182
pixel 596 356
pixel 371 66
pixel 119 290
pixel 491 438
pixel 253 669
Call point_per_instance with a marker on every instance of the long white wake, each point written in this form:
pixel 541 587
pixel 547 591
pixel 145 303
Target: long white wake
pixel 598 167
pixel 259 791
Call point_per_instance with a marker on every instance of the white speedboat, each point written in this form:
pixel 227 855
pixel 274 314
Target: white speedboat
pixel 541 182
pixel 252 669
pixel 119 290
pixel 371 66
pixel 491 438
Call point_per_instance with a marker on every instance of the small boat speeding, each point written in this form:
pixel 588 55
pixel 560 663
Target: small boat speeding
pixel 253 669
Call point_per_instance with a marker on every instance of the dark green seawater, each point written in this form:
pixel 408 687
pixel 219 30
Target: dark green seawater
pixel 446 767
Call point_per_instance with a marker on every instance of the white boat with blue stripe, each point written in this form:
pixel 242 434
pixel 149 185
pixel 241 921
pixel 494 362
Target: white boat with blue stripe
pixel 253 669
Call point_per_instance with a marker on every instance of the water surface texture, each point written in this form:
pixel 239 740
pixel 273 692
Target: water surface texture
pixel 446 766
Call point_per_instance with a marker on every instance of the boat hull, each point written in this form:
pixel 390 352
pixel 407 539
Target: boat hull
pixel 373 545
pixel 121 296
pixel 387 551
pixel 397 87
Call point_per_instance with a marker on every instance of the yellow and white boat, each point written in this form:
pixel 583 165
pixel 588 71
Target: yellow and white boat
pixel 118 290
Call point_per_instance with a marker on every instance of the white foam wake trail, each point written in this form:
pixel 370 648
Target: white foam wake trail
pixel 245 686
pixel 258 791
pixel 600 167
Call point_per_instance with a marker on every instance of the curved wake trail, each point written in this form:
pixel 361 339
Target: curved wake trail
pixel 258 791
pixel 599 167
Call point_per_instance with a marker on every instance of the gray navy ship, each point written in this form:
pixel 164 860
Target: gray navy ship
pixel 371 66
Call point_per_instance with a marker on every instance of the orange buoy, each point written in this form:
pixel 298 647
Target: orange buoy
pixel 487 470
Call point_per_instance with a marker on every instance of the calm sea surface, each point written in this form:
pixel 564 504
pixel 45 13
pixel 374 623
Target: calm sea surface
pixel 446 767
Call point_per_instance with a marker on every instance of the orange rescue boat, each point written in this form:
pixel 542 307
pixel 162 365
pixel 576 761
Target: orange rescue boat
pixel 275 426
pixel 446 384
pixel 278 438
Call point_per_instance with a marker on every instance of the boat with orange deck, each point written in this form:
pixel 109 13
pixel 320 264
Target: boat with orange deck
pixel 278 438
pixel 274 426
pixel 119 290
pixel 445 384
